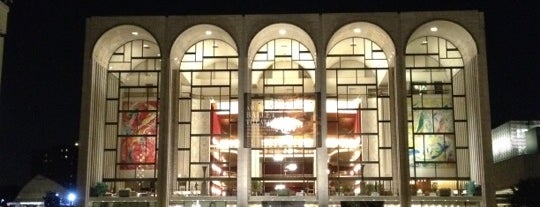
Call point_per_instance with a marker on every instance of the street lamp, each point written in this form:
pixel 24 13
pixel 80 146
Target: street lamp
pixel 71 198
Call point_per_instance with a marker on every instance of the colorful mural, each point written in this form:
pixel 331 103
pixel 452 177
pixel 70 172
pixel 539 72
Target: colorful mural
pixel 429 148
pixel 433 121
pixel 140 121
pixel 428 140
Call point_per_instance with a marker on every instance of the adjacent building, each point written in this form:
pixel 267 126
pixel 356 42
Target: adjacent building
pixel 31 195
pixel 322 109
pixel 515 153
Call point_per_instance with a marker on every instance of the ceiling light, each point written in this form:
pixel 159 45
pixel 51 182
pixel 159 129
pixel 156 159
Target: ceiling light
pixel 279 187
pixel 285 124
pixel 146 46
pixel 135 33
pixel 282 31
pixel 433 29
pixel 208 32
pixel 291 167
pixel 357 30
pixel 424 42
pixel 278 157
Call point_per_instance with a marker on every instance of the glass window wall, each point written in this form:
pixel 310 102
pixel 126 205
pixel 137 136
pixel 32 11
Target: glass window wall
pixel 358 119
pixel 207 119
pixel 131 118
pixel 437 120
pixel 281 119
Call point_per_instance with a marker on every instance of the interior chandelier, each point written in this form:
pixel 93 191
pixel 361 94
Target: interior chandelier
pixel 284 124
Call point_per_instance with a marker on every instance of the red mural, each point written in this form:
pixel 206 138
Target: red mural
pixel 140 121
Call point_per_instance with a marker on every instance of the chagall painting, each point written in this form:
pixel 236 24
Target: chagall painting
pixel 140 120
pixel 433 121
pixel 430 148
pixel 429 145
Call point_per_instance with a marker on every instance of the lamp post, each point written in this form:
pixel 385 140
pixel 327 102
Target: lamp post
pixel 71 198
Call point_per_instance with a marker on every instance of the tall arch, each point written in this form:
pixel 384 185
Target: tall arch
pixel 204 60
pixel 281 111
pixel 358 113
pixel 305 48
pixel 439 57
pixel 126 67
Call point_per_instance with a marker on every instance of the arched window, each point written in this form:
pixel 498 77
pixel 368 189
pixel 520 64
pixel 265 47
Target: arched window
pixel 207 118
pixel 437 118
pixel 358 118
pixel 131 116
pixel 281 119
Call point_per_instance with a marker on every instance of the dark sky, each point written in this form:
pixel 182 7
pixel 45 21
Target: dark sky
pixel 41 81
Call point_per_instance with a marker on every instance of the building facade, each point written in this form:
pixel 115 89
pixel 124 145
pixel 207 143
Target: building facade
pixel 514 138
pixel 287 109
pixel 515 155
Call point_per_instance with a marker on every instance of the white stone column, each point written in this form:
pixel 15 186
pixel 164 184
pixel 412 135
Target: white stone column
pixel 166 152
pixel 91 159
pixel 398 98
pixel 479 131
pixel 243 177
pixel 321 158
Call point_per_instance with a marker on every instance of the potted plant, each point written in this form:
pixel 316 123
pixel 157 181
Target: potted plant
pixel 346 189
pixel 256 187
pixel 372 189
pixel 369 188
pixel 99 189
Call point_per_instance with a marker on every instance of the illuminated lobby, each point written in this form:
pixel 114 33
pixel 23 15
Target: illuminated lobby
pixel 325 109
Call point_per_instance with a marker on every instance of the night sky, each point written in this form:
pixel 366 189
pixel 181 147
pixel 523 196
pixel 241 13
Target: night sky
pixel 43 60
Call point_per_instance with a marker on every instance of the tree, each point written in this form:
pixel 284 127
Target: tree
pixel 51 199
pixel 526 193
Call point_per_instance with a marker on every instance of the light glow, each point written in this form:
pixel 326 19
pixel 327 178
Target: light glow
pixel 357 168
pixel 357 190
pixel 278 157
pixel 355 155
pixel 285 124
pixel 291 167
pixel 346 143
pixel 216 168
pixel 279 187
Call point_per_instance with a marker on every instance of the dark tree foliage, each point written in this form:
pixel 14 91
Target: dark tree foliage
pixel 526 193
pixel 51 200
